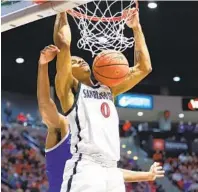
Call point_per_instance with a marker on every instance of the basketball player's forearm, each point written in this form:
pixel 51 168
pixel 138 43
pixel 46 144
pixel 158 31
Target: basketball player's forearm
pixel 136 176
pixel 47 107
pixel 141 53
pixel 43 85
pixel 63 63
pixel 64 78
pixel 56 27
pixel 62 32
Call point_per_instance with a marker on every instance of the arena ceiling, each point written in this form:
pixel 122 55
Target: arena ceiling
pixel 171 34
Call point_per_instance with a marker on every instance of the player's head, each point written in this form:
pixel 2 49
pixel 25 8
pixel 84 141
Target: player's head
pixel 80 69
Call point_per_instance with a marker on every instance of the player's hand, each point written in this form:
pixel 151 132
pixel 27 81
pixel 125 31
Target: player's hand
pixel 132 15
pixel 156 171
pixel 48 54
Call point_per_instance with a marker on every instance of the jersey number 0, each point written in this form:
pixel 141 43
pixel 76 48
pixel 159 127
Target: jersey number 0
pixel 105 109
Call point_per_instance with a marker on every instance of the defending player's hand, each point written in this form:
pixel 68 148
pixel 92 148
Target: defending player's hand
pixel 132 15
pixel 156 171
pixel 48 54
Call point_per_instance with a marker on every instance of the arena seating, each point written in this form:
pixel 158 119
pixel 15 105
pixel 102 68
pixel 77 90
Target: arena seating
pixel 183 171
pixel 23 168
pixel 176 150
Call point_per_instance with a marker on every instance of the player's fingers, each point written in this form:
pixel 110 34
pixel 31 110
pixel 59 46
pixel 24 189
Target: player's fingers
pixel 156 164
pixel 50 46
pixel 57 49
pixel 160 172
pixel 153 166
pixel 159 176
pixel 52 49
pixel 127 12
pixel 159 168
pixel 48 50
pixel 45 49
pixel 133 10
pixel 53 46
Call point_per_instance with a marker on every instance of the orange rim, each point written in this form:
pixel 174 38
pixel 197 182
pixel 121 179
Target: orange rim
pixel 78 15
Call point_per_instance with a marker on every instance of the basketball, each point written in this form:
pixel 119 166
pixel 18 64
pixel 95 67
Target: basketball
pixel 110 67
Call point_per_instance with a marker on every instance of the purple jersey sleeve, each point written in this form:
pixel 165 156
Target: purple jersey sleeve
pixel 56 158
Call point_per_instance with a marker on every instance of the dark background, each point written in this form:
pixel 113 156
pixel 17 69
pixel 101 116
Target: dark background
pixel 171 35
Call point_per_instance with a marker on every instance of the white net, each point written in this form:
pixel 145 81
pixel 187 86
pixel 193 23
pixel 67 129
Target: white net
pixel 102 25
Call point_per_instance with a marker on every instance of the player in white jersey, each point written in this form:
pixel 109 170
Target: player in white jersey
pixel 58 137
pixel 92 115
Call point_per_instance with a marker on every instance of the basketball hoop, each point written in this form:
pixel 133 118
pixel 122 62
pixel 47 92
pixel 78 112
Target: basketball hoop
pixel 101 24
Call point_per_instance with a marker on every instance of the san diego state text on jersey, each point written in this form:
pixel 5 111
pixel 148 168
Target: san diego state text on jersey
pixel 97 95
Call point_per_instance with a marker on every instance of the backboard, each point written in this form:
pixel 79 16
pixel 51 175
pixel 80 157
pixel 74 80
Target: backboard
pixel 17 13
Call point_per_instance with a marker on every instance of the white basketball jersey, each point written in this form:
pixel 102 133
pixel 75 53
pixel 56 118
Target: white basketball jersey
pixel 94 123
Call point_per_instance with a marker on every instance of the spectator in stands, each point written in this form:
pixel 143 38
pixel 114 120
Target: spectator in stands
pixel 4 188
pixel 167 166
pixel 127 128
pixel 158 156
pixel 173 138
pixel 177 176
pixel 175 163
pixel 195 158
pixel 143 127
pixel 183 139
pixel 189 126
pixel 22 167
pixel 196 128
pixel 194 186
pixel 21 118
pixel 183 168
pixel 181 127
pixel 30 119
pixel 185 172
pixel 165 121
pixel 8 112
pixel 183 158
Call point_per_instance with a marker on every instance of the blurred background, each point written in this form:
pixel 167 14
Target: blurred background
pixel 158 117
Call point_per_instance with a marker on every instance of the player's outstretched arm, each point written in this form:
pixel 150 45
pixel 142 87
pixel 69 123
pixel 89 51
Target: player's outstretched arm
pixel 138 176
pixel 142 63
pixel 64 79
pixel 47 107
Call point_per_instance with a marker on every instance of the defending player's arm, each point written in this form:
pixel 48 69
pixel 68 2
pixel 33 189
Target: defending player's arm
pixel 138 176
pixel 47 107
pixel 64 79
pixel 142 63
